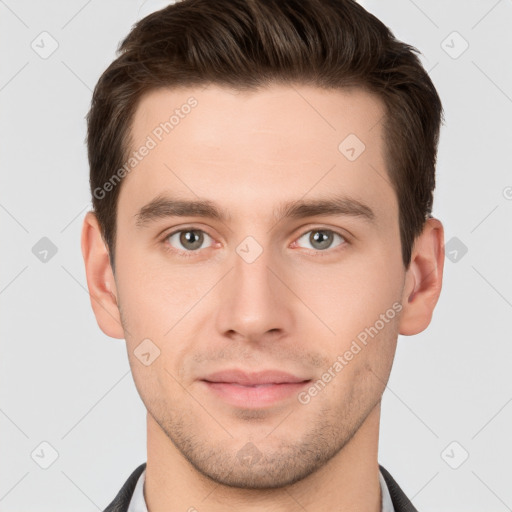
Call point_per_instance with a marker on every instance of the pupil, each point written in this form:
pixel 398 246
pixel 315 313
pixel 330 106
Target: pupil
pixel 192 238
pixel 322 238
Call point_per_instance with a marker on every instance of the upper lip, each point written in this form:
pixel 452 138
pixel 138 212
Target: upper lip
pixel 253 378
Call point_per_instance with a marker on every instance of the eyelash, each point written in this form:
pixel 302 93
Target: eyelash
pixel 313 252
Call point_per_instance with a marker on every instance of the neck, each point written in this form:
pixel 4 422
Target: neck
pixel 349 481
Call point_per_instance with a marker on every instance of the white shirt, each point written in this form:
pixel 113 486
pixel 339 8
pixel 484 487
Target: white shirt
pixel 138 503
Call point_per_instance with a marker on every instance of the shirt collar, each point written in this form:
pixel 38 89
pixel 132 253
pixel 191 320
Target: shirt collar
pixel 138 503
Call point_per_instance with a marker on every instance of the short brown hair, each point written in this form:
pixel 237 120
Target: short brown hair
pixel 248 44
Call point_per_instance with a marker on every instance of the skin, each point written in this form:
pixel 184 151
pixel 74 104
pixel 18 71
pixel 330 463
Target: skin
pixel 296 308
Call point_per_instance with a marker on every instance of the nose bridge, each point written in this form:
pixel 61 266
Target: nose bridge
pixel 251 272
pixel 254 301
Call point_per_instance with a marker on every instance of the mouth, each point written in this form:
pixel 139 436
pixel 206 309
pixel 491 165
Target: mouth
pixel 254 390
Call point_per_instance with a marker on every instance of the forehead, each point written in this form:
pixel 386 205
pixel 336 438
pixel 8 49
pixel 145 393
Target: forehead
pixel 282 141
pixel 323 114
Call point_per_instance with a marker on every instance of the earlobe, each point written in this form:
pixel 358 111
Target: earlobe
pixel 423 280
pixel 100 278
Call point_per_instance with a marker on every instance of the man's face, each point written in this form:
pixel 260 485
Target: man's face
pixel 260 290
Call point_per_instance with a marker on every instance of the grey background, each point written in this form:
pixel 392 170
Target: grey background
pixel 65 383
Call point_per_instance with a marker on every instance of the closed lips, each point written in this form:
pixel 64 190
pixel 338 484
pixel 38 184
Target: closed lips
pixel 254 379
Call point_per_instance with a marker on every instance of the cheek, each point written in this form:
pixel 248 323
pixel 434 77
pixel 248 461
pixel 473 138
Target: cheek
pixel 350 296
pixel 356 377
pixel 368 356
pixel 154 293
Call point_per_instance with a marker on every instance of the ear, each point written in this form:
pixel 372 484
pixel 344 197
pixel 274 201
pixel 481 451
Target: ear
pixel 100 278
pixel 423 279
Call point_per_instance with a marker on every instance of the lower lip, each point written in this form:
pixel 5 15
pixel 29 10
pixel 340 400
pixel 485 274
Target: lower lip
pixel 254 396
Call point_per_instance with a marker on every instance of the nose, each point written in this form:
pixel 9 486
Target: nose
pixel 255 302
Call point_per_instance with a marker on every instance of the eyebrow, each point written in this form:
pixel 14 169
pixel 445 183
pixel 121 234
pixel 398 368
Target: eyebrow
pixel 163 207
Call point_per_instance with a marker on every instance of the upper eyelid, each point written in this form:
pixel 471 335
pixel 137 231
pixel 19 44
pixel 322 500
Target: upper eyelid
pixel 186 228
pixel 319 228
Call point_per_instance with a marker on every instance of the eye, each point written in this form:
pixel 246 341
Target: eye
pixel 189 239
pixel 321 239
